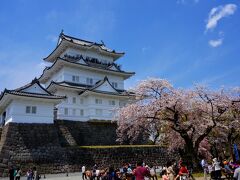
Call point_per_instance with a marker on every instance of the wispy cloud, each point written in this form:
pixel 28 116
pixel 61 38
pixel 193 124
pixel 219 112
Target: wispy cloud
pixel 217 13
pixel 215 43
pixel 185 1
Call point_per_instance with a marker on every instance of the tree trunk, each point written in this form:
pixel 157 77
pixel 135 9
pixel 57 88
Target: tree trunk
pixel 190 156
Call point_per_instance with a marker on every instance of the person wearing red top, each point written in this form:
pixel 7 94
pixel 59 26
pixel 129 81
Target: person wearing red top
pixel 183 171
pixel 140 171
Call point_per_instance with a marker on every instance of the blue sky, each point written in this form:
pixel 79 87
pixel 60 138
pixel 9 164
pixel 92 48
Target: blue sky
pixel 184 41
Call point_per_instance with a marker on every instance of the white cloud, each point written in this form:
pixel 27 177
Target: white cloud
pixel 218 13
pixel 215 43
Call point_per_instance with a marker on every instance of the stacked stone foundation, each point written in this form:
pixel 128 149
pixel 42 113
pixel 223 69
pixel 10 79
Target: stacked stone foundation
pixel 65 146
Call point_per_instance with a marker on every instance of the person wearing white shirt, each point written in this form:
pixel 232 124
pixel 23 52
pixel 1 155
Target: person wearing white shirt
pixel 217 168
pixel 84 173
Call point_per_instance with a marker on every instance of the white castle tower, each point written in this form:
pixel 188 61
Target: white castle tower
pixel 86 73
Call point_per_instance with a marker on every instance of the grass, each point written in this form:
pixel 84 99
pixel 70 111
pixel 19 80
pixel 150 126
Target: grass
pixel 117 146
pixel 198 174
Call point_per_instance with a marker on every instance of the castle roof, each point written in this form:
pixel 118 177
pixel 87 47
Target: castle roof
pixel 31 90
pixel 81 62
pixel 86 89
pixel 66 41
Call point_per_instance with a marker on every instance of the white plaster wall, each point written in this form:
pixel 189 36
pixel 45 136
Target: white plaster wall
pixel 9 110
pixel 89 107
pixel 17 112
pixel 89 53
pixel 96 76
pixel 81 103
pixel 35 89
pixel 106 87
pixel 57 77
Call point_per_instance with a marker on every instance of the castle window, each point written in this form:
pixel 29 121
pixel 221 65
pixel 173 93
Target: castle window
pixel 114 84
pixel 89 81
pixel 81 112
pixel 34 109
pixel 31 109
pixel 111 102
pixel 28 109
pixel 65 111
pixel 75 78
pixel 98 101
pixel 98 112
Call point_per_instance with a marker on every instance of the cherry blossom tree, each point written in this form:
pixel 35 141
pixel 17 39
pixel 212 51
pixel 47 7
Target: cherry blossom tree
pixel 178 118
pixel 227 131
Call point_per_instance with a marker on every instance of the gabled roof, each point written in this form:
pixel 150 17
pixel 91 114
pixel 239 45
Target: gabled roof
pixel 34 81
pixel 26 91
pixel 65 84
pixel 81 43
pixel 82 87
pixel 101 82
pixel 96 88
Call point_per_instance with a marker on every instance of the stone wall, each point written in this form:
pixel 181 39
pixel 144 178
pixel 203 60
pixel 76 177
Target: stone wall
pixel 86 133
pixel 55 148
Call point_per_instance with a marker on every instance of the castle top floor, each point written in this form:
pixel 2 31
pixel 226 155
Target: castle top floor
pixel 69 46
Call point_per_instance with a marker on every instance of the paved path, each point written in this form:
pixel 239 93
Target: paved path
pixel 71 176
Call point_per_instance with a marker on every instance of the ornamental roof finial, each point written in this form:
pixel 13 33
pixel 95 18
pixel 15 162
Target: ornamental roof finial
pixel 62 32
pixel 102 42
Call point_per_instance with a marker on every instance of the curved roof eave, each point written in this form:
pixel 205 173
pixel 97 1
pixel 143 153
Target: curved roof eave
pixel 105 93
pixel 128 74
pixel 64 86
pixel 49 58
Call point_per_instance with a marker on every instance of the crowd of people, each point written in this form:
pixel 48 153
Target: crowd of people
pixel 16 173
pixel 218 167
pixel 140 171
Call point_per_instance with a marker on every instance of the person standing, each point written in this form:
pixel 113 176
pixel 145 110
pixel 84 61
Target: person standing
pixel 183 171
pixel 170 171
pixel 36 175
pixel 11 173
pixel 29 174
pixel 236 174
pixel 204 165
pixel 140 171
pixel 18 174
pixel 217 168
pixel 84 172
pixel 164 175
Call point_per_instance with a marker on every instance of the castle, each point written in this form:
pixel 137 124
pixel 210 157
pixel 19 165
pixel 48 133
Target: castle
pixel 83 83
pixel 46 123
